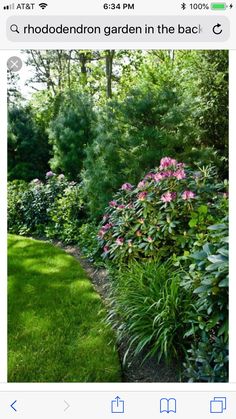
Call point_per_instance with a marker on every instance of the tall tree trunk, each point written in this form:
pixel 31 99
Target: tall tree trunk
pixel 109 66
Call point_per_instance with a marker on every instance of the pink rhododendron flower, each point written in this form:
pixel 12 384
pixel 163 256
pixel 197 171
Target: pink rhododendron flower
pixel 126 187
pixel 106 249
pixel 167 173
pixel 149 239
pixel 105 217
pixel 142 184
pixel 166 162
pixel 120 241
pixel 101 233
pixel 142 195
pixel 121 206
pixel 149 176
pixel 158 177
pixel 186 195
pixel 168 196
pixel 50 174
pixel 113 204
pixel 179 174
pixel 107 226
pixel 104 229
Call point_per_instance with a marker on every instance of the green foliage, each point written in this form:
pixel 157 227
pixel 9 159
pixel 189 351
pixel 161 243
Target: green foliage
pixel 70 132
pixel 132 134
pixel 107 118
pixel 150 309
pixel 213 85
pixel 28 148
pixel 53 209
pixel 15 189
pixel 162 214
pixel 207 359
pixel 56 321
pixel 102 172
pixel 88 242
pixel 66 213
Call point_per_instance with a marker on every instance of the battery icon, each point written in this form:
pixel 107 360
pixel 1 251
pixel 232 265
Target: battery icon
pixel 218 6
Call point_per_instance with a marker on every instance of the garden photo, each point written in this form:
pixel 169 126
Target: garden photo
pixel 118 216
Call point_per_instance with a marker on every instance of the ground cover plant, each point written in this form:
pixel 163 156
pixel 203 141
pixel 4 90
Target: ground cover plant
pixel 56 328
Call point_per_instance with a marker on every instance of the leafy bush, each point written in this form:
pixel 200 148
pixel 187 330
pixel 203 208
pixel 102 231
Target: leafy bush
pixel 53 208
pixel 150 309
pixel 207 359
pixel 15 190
pixel 162 214
pixel 88 242
pixel 36 202
pixel 66 214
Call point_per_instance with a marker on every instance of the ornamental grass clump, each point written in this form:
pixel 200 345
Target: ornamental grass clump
pixel 150 310
pixel 162 214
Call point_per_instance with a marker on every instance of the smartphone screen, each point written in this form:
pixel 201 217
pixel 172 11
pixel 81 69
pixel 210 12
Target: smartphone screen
pixel 117 124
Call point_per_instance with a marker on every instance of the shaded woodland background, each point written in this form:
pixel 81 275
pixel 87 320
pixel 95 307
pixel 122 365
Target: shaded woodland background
pixel 103 118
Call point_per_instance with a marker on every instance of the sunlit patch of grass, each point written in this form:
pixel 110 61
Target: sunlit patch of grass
pixel 56 330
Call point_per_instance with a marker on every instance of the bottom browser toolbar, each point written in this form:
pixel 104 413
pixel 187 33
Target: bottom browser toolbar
pixel 130 405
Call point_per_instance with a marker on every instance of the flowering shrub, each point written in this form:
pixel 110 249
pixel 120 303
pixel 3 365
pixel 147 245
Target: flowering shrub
pixel 52 209
pixel 162 214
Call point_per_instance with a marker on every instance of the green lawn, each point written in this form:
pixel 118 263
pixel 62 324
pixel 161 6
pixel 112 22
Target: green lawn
pixel 56 330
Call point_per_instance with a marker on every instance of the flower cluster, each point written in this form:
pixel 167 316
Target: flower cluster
pixel 154 217
pixel 126 187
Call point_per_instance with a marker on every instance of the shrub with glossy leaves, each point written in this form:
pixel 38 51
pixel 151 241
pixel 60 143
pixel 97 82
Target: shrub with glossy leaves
pixel 15 190
pixel 207 358
pixel 162 214
pixel 65 214
pixel 52 209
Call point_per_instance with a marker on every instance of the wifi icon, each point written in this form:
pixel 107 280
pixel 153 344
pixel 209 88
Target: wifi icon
pixel 43 5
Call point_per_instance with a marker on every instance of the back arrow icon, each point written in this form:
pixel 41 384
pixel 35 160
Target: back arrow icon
pixel 67 405
pixel 12 405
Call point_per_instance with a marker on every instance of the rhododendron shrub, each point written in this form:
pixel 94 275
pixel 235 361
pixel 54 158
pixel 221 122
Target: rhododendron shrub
pixel 163 214
pixel 52 208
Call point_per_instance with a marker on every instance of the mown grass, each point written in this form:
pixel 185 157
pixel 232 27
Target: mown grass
pixel 56 330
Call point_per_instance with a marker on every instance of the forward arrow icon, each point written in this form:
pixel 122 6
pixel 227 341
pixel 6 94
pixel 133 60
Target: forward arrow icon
pixel 67 405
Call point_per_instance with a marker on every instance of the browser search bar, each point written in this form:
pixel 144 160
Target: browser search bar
pixel 118 29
